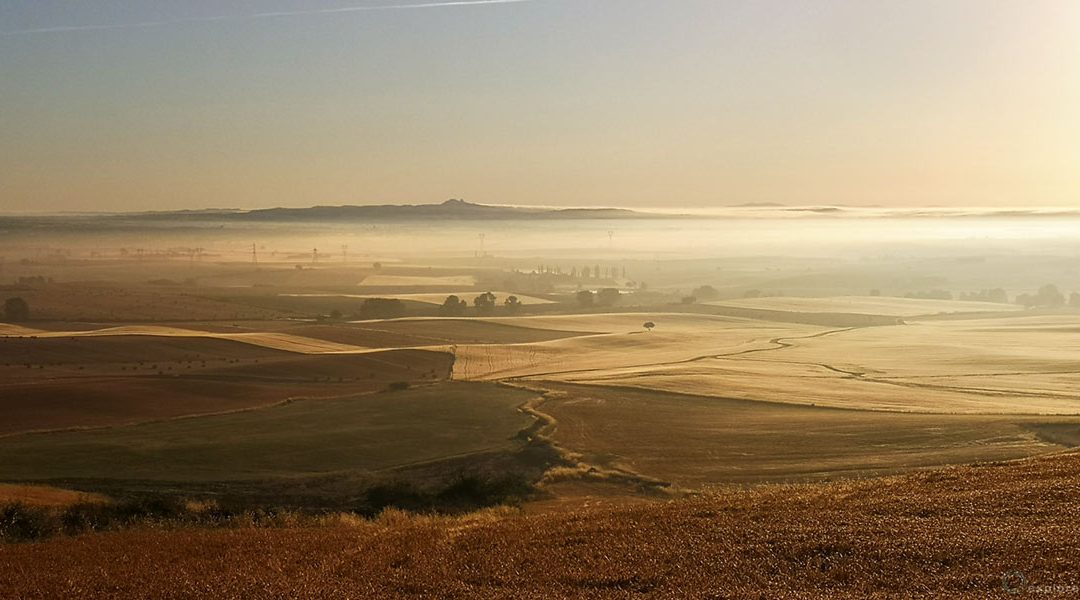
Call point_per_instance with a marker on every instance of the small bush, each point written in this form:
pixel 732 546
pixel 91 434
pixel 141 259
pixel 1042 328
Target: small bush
pixel 22 523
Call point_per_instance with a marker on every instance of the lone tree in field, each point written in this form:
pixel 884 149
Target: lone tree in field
pixel 16 309
pixel 453 306
pixel 649 325
pixel 513 303
pixel 586 298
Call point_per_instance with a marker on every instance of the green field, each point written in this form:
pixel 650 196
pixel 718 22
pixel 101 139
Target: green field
pixel 364 433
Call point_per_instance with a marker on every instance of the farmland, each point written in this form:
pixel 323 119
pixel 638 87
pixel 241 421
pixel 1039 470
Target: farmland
pixel 279 413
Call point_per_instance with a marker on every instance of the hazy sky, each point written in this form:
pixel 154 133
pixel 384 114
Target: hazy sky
pixel 558 102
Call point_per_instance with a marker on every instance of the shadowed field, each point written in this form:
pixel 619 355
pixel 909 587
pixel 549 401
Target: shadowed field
pixel 951 533
pixel 698 441
pixel 356 433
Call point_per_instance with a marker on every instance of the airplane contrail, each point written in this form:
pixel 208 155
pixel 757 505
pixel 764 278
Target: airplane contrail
pixel 264 15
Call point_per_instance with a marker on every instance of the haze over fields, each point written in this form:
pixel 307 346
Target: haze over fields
pixel 309 375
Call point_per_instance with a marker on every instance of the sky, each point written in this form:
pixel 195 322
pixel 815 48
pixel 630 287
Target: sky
pixel 151 104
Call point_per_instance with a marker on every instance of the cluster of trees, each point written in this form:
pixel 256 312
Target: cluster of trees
pixel 16 310
pixel 997 295
pixel 586 272
pixel 756 293
pixel 1048 296
pixel 930 295
pixel 382 308
pixel 703 293
pixel 604 297
pixel 484 303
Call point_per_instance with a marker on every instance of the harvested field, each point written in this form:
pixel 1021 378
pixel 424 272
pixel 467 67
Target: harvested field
pixel 952 533
pixel 677 338
pixel 627 322
pixel 406 281
pixel 869 305
pixel 434 299
pixel 1007 365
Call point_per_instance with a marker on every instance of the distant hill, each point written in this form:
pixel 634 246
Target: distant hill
pixel 451 209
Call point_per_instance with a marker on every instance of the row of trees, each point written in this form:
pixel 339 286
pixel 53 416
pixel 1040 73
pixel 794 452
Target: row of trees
pixel 594 272
pixel 1048 296
pixel 484 303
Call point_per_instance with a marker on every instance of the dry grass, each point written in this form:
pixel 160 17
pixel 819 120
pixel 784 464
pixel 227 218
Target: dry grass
pixel 950 533
pixel 44 496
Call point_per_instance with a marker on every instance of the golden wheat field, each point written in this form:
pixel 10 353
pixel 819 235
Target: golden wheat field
pixel 1022 364
pixel 947 533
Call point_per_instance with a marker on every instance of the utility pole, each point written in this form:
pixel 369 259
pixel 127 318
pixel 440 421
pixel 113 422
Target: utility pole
pixel 254 256
pixel 344 253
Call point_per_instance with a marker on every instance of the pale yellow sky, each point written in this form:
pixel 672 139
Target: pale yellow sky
pixel 691 103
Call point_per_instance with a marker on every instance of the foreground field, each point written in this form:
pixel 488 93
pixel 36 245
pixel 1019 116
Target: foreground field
pixel 987 531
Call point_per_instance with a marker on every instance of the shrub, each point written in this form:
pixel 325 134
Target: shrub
pixel 16 309
pixel 22 523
